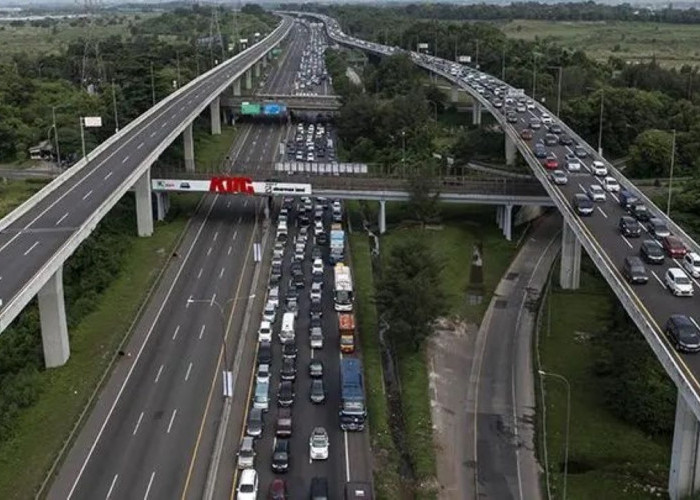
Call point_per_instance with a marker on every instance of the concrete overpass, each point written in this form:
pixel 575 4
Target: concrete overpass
pixel 293 102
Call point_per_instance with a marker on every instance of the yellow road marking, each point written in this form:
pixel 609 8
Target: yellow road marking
pixel 218 364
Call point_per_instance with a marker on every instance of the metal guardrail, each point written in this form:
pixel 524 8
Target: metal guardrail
pixel 634 307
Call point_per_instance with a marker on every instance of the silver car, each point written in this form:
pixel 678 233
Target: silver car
pixel 559 177
pixel 246 453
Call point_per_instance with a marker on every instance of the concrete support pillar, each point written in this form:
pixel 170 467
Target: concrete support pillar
pixel 499 216
pixel 508 222
pixel 162 204
pixel 382 217
pixel 264 60
pixel 684 478
pixel 54 329
pixel 215 112
pixel 248 79
pixel 237 87
pixel 476 113
pixel 144 210
pixel 189 148
pixel 570 270
pixel 256 69
pixel 511 151
pixel 454 95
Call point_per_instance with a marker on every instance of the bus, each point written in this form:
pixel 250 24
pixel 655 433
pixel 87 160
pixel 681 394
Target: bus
pixel 342 293
pixel 346 326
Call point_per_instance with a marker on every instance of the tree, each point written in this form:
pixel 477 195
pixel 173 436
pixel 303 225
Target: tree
pixel 424 197
pixel 650 155
pixel 409 293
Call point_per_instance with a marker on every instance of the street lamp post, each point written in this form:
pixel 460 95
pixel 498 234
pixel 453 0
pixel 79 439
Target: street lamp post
pixel 503 65
pixel 559 68
pixel 114 103
pixel 670 175
pixel 568 419
pixel 600 123
pixel 534 76
pixel 55 135
pixel 153 86
pixel 403 147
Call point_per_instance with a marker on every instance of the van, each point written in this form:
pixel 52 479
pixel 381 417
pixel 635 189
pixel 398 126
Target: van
pixel 634 271
pixel 287 330
pixel 261 399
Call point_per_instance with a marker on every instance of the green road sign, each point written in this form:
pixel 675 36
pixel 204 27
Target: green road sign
pixel 250 108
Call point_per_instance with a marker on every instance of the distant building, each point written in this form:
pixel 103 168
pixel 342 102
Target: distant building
pixel 42 151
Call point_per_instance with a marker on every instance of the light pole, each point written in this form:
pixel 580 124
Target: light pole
pixel 153 86
pixel 403 147
pixel 560 68
pixel 534 76
pixel 503 65
pixel 476 61
pixel 177 55
pixel 670 175
pixel 568 419
pixel 600 123
pixel 55 135
pixel 114 103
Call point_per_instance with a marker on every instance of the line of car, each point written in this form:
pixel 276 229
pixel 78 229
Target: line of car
pixel 319 441
pixel 312 67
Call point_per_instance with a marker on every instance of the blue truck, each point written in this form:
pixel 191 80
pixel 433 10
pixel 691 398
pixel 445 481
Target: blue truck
pixel 337 253
pixel 353 411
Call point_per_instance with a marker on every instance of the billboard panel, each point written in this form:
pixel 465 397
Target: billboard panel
pixel 92 121
pixel 274 108
pixel 250 108
pixel 422 46
pixel 464 59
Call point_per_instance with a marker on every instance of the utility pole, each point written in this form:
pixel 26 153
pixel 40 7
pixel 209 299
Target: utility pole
pixel 179 81
pixel 55 134
pixel 503 66
pixel 600 123
pixel 534 77
pixel 476 62
pixel 114 103
pixel 670 175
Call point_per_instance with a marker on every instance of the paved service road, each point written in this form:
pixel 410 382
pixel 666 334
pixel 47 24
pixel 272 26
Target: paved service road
pixel 31 240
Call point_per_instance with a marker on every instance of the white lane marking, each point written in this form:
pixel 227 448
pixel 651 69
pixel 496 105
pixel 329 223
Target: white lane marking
pixel 228 203
pixel 235 233
pixel 160 370
pixel 625 240
pixel 229 251
pixel 189 101
pixel 173 116
pixel 240 218
pixel 31 248
pixel 201 332
pixel 172 419
pixel 347 457
pixel 212 301
pixel 245 203
pixel 693 320
pixel 61 219
pixel 108 175
pixel 150 483
pixel 199 274
pixel 126 158
pixel 216 235
pixel 221 274
pixel 601 211
pixel 87 195
pixel 153 134
pixel 209 251
pixel 582 188
pixel 139 146
pixel 177 329
pixel 189 369
pixel 111 486
pixel 164 124
pixel 138 422
pixel 189 301
pixel 658 279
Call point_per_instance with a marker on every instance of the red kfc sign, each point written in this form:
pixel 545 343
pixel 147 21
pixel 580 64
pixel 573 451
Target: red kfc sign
pixel 231 185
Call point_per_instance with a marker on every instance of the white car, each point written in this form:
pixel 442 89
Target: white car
pixel 316 291
pixel 278 252
pixel 691 263
pixel 273 296
pixel 596 193
pixel 317 267
pixel 247 485
pixel 270 312
pixel 530 104
pixel 573 164
pixel 559 177
pixel 265 331
pixel 611 185
pixel 318 227
pixel 678 283
pixel 246 453
pixel 318 444
pixel 262 376
pixel 599 168
pixel 546 119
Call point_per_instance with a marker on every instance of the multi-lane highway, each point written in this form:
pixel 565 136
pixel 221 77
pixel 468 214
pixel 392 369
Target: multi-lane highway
pixel 33 238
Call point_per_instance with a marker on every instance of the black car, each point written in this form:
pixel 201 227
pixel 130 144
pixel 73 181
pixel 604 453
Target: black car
pixel 555 128
pixel 304 220
pixel 565 140
pixel 280 455
pixel 634 271
pixel 289 369
pixel 285 394
pixel 264 353
pixel 652 252
pixel 289 350
pixel 630 227
pixel 627 199
pixel 683 333
pixel 580 151
pixel 583 204
pixel 315 368
pixel 317 391
pixel 322 239
pixel 275 273
pixel 640 212
pixel 657 228
pixel 540 151
pixel 316 309
pixel 551 140
pixel 316 252
pixel 319 489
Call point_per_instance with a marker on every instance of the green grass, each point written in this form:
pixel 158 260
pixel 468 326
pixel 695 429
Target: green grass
pixel 607 457
pixel 43 428
pixel 670 44
pixel 211 150
pixel 13 193
pixel 385 458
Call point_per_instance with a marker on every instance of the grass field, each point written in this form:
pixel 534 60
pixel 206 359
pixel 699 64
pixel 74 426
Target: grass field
pixel 607 457
pixel 13 193
pixel 453 243
pixel 211 150
pixel 671 44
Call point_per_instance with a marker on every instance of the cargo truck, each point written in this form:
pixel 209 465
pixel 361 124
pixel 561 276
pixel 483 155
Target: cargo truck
pixel 352 395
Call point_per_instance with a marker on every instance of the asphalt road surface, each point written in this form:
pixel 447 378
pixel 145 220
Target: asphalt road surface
pixel 30 241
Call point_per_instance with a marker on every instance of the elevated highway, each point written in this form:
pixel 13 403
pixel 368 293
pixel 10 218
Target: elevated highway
pixel 42 233
pixel 649 306
pixel 294 102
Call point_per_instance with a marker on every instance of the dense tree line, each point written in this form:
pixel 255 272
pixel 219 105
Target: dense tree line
pixel 565 11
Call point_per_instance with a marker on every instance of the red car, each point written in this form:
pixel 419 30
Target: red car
pixel 526 134
pixel 674 246
pixel 551 163
pixel 278 490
